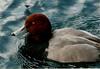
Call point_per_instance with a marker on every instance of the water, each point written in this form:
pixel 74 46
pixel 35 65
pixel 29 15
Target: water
pixel 79 14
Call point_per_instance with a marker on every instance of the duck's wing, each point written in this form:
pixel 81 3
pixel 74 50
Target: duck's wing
pixel 67 39
pixel 81 33
pixel 89 36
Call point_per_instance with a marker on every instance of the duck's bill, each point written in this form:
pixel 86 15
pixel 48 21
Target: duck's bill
pixel 20 33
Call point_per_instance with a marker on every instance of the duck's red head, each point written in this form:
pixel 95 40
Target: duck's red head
pixel 38 26
pixel 37 23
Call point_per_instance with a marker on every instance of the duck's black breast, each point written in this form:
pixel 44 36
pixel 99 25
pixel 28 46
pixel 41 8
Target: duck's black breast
pixel 33 49
pixel 36 52
pixel 33 52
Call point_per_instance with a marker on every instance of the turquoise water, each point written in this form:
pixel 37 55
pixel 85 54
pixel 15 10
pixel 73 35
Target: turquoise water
pixel 79 14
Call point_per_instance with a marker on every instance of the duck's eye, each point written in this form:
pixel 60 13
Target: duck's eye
pixel 33 22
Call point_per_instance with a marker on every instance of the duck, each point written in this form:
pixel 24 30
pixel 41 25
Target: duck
pixel 65 45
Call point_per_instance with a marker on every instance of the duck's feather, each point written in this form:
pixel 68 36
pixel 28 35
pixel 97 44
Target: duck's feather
pixel 70 45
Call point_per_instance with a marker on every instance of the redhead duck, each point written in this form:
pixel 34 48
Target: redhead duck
pixel 64 45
